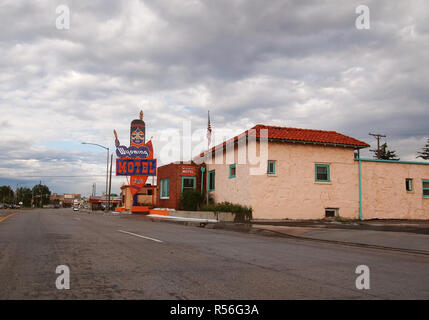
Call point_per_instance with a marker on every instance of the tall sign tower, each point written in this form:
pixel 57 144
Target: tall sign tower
pixel 135 161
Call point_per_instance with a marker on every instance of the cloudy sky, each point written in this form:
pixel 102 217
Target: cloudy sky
pixel 289 63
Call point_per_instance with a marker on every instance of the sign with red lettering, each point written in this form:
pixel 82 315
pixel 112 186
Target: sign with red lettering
pixel 136 160
pixel 133 167
pixel 188 171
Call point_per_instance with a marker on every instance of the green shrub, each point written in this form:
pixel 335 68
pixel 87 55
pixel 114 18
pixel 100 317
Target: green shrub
pixel 191 200
pixel 241 213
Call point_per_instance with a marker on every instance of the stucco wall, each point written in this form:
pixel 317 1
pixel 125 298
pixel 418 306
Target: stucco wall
pixel 145 199
pixel 236 190
pixel 128 198
pixel 293 192
pixel 384 194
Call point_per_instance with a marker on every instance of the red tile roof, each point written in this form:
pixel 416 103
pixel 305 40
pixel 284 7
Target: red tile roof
pixel 285 134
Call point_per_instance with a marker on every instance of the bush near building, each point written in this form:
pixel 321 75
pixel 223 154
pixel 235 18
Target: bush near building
pixel 191 200
pixel 241 213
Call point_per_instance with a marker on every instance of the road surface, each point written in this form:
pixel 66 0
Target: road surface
pixel 127 257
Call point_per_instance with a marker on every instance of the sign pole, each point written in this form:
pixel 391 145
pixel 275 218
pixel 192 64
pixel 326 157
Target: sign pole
pixel 110 179
pixel 107 178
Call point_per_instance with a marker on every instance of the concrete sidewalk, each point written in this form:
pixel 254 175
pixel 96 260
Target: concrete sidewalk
pixel 352 233
pixel 388 239
pixel 407 226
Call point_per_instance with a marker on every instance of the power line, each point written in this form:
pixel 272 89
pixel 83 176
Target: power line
pixel 378 136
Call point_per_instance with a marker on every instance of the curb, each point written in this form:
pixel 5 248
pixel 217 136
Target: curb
pixel 180 222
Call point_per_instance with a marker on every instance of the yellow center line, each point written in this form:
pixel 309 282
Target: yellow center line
pixel 4 218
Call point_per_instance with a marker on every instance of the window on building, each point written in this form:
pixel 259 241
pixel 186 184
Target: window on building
pixel 322 173
pixel 188 183
pixel 271 167
pixel 232 170
pixel 149 192
pixel 409 184
pixel 426 188
pixel 165 188
pixel 211 180
pixel 331 212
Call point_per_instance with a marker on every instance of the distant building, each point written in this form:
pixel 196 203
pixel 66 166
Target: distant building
pixel 100 202
pixel 65 200
pixel 69 199
pixel 146 196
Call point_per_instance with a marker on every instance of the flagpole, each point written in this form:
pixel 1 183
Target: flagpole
pixel 208 149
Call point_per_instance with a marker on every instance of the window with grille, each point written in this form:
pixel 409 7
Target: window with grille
pixel 322 173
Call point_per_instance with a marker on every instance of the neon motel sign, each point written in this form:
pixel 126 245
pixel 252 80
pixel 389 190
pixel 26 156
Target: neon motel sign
pixel 136 160
pixel 133 167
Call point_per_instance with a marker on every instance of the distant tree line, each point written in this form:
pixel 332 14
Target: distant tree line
pixel 424 154
pixel 384 153
pixel 38 196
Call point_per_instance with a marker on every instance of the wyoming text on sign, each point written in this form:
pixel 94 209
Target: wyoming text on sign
pixel 136 167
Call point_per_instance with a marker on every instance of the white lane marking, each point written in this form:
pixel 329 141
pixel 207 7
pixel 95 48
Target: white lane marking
pixel 137 235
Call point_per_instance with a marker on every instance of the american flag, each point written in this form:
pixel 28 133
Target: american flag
pixel 209 130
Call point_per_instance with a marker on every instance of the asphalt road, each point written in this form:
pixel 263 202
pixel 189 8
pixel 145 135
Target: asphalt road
pixel 155 260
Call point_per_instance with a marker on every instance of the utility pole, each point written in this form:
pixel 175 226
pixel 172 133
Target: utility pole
pixel 377 136
pixel 107 174
pixel 110 179
pixel 40 186
pixel 107 166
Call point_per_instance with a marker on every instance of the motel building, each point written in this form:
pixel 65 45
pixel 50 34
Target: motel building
pixel 174 178
pixel 290 173
pixel 146 196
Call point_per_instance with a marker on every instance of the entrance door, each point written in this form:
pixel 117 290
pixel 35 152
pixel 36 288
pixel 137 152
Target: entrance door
pixel 189 183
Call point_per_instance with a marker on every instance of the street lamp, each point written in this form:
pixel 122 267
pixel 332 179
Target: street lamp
pixel 107 167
